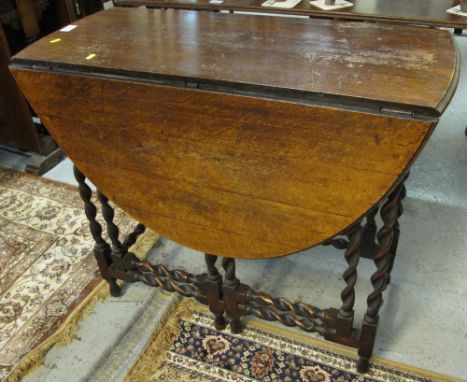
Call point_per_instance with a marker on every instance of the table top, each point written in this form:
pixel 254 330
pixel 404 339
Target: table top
pixel 421 12
pixel 356 64
pixel 227 135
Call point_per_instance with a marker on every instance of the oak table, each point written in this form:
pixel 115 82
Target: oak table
pixel 431 13
pixel 244 137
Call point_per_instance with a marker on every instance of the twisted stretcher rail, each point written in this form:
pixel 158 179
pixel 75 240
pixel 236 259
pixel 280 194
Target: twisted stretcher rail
pixel 229 300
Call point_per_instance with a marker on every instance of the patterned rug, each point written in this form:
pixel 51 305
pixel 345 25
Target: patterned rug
pixel 188 348
pixel 47 271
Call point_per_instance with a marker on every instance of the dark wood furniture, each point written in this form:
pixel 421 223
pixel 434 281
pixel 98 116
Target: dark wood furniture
pixel 88 7
pixel 15 117
pixel 223 134
pixel 17 130
pixel 25 21
pixel 431 13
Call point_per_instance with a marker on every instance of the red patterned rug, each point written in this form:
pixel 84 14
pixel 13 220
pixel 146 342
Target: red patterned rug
pixel 47 269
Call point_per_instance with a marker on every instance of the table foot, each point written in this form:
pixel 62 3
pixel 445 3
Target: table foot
pixel 220 323
pixel 362 365
pixel 236 326
pixel 115 289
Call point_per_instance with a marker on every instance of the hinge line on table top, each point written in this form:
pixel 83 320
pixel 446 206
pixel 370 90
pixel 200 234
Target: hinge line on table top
pixel 250 90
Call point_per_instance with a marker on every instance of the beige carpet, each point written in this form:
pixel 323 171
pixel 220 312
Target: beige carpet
pixel 189 348
pixel 47 270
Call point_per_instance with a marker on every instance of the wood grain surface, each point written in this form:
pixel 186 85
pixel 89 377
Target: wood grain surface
pixel 355 64
pixel 226 174
pixel 210 128
pixel 420 12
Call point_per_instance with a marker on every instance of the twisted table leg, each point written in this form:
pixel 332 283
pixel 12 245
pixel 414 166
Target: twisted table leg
pixel 231 295
pixel 352 253
pixel 133 236
pixel 122 259
pixel 112 229
pixel 210 285
pixel 368 245
pixel 385 237
pixel 102 250
pixel 396 234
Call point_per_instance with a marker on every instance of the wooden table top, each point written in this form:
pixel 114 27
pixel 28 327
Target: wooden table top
pixel 358 64
pixel 231 136
pixel 421 12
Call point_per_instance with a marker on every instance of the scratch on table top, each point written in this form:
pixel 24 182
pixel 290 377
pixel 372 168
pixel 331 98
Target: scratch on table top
pixel 410 59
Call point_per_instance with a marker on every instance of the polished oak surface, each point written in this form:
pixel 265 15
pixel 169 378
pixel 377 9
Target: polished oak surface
pixel 343 63
pixel 225 174
pixel 250 171
pixel 420 12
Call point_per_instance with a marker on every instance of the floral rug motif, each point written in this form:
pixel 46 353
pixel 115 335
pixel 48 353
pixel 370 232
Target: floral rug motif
pixel 198 352
pixel 46 262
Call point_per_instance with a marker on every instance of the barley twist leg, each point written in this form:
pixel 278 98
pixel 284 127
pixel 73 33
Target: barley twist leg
pixel 230 295
pixel 396 234
pixel 212 288
pixel 385 238
pixel 112 230
pixel 102 250
pixel 352 254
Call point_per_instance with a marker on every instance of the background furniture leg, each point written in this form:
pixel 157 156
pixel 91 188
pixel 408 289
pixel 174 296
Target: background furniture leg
pixel 102 250
pixel 385 237
pixel 29 20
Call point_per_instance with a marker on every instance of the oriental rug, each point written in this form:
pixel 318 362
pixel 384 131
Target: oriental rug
pixel 47 270
pixel 189 348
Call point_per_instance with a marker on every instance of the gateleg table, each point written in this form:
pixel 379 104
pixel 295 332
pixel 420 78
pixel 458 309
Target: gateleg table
pixel 244 137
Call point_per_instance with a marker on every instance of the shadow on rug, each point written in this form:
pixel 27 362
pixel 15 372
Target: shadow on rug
pixel 189 348
pixel 47 270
